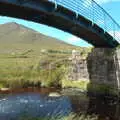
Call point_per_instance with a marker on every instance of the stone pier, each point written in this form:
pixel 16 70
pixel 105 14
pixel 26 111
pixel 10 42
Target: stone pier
pixel 101 67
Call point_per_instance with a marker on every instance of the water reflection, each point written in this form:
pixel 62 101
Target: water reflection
pixel 37 103
pixel 106 107
pixel 33 104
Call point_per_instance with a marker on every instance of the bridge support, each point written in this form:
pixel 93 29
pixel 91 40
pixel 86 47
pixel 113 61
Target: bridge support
pixel 103 66
pixel 102 69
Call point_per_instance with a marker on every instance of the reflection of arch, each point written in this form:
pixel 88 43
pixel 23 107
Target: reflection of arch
pixel 45 12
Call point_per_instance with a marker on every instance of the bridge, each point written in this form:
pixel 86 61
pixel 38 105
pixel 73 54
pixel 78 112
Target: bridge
pixel 82 18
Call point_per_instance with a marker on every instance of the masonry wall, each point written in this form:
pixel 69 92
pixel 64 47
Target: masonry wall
pixel 101 66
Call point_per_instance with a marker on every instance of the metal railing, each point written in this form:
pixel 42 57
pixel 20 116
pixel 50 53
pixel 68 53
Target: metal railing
pixel 94 12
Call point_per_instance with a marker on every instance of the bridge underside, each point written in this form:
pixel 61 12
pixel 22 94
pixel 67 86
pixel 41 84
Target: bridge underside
pixel 42 11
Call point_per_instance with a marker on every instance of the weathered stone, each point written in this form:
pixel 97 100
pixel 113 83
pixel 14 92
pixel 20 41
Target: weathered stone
pixel 102 66
pixel 78 68
pixel 54 94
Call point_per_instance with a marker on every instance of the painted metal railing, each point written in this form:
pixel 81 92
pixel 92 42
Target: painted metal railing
pixel 94 12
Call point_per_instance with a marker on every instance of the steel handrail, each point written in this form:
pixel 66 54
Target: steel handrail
pixel 94 12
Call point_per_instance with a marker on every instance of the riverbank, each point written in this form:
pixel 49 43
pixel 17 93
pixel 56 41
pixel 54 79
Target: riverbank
pixel 82 85
pixel 59 70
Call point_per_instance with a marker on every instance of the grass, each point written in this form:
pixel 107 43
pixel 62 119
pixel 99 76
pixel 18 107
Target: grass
pixel 21 51
pixel 26 57
pixel 86 85
pixel 69 117
pixel 82 84
pixel 46 70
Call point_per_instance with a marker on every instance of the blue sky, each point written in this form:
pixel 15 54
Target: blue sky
pixel 111 6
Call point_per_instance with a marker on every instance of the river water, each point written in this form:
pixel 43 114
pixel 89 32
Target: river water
pixel 38 102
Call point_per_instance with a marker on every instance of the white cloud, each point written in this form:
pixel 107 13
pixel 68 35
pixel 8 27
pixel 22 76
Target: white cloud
pixel 73 39
pixel 77 41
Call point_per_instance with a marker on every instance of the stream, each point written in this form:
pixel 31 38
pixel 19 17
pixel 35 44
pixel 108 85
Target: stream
pixel 42 102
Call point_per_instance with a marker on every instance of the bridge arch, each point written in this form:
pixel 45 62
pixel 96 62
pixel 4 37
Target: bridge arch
pixel 86 20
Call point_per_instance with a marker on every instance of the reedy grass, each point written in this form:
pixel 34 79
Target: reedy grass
pixel 23 72
pixel 71 116
pixel 81 84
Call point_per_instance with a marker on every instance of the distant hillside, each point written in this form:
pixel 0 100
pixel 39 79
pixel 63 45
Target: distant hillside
pixel 15 33
pixel 18 38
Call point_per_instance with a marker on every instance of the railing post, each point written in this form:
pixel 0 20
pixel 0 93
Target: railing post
pixel 114 30
pixel 77 8
pixel 93 19
pixel 55 1
pixel 105 26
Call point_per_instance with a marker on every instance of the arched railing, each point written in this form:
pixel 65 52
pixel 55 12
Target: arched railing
pixel 94 12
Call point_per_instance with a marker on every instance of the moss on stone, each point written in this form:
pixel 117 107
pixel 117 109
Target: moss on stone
pixel 102 88
pixel 85 85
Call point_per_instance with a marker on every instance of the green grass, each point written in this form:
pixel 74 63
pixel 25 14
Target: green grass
pixel 46 70
pixel 18 72
pixel 82 84
pixel 86 85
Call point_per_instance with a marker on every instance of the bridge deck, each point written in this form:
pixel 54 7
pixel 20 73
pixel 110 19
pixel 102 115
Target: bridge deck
pixel 43 11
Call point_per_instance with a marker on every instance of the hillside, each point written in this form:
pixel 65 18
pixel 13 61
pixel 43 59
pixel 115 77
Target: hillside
pixel 15 36
pixel 28 57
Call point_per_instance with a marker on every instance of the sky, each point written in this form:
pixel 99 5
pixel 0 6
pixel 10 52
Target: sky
pixel 111 6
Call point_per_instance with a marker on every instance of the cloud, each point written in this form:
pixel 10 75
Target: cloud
pixel 73 39
pixel 77 41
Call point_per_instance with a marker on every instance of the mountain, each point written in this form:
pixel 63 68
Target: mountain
pixel 13 33
pixel 16 38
